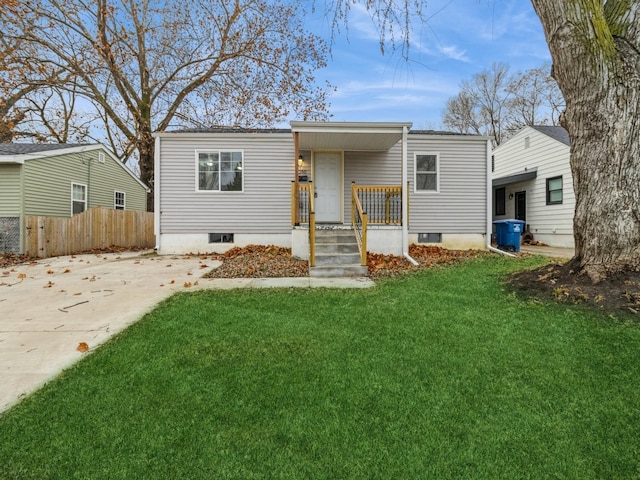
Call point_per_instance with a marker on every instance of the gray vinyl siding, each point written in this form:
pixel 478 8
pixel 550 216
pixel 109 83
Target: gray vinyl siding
pixel 370 168
pixel 48 183
pixel 264 205
pixel 460 205
pixel 10 186
pixel 551 158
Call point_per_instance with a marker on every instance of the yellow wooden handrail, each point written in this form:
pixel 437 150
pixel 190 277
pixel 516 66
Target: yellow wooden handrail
pixel 359 223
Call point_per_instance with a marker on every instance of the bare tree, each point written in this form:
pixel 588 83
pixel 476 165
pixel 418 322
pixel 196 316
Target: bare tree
pixel 496 104
pixel 461 114
pixel 535 98
pixel 139 62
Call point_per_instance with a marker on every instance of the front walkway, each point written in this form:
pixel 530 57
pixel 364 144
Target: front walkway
pixel 50 307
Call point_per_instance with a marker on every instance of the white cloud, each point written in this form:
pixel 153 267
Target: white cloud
pixel 455 53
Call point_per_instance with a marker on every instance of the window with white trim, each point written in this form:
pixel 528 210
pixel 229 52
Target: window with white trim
pixel 219 171
pixel 78 198
pixel 426 167
pixel 119 200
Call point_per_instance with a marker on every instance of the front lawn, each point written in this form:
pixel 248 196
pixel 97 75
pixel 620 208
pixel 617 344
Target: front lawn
pixel 437 375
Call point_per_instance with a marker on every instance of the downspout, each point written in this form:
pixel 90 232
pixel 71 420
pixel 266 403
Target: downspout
pixel 156 193
pixel 490 206
pixel 405 200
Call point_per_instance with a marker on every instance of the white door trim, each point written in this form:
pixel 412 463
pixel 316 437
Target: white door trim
pixel 340 214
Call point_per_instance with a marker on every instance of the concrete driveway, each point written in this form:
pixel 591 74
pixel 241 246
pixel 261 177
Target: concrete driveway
pixel 50 307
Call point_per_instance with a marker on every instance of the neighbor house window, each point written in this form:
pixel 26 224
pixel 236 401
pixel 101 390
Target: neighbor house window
pixel 426 172
pixel 119 201
pixel 554 191
pixel 78 198
pixel 500 201
pixel 219 171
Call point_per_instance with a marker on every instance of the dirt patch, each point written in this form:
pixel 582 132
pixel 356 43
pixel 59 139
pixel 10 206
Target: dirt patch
pixel 560 282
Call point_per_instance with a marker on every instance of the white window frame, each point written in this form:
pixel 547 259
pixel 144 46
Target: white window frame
pixel 415 172
pixel 86 196
pixel 219 152
pixel 115 200
pixel 100 157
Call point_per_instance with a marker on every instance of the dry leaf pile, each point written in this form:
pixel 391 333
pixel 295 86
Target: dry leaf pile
pixel 381 266
pixel 259 261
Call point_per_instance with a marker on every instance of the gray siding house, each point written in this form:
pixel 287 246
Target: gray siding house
pixel 59 180
pixel 532 181
pixel 220 188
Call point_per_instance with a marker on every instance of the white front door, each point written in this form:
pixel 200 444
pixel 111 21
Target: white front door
pixel 327 183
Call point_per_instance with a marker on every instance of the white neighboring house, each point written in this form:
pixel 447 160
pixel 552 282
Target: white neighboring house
pixel 532 182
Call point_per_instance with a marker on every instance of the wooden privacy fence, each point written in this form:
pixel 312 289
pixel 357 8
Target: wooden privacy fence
pixel 96 228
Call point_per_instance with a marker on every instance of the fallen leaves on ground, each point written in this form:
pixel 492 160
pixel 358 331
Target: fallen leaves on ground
pixel 259 261
pixel 382 266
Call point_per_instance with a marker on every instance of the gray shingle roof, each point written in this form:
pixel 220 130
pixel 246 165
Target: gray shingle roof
pixel 26 148
pixel 557 133
pixel 231 130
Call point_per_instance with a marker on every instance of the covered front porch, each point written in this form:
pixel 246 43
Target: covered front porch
pixel 350 176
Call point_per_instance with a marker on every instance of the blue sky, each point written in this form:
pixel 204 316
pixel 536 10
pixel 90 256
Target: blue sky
pixel 462 37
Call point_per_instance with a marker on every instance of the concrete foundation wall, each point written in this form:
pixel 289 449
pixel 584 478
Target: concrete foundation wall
pixel 555 240
pixel 380 239
pixel 199 242
pixel 468 241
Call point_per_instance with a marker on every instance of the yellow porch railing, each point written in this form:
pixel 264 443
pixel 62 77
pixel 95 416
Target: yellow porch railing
pixel 359 224
pixel 370 205
pixel 303 211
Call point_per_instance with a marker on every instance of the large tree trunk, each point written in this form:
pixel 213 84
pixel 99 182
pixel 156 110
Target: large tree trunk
pixel 596 62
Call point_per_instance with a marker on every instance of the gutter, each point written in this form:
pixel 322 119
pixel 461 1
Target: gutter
pixel 490 206
pixel 405 200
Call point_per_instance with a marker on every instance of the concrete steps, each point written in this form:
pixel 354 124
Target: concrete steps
pixel 337 254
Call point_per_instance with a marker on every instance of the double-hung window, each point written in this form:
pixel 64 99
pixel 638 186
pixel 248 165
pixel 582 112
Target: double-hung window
pixel 426 172
pixel 219 171
pixel 78 198
pixel 554 191
pixel 119 200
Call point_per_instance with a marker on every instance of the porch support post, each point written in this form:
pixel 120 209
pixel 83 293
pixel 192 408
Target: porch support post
pixel 405 198
pixel 296 186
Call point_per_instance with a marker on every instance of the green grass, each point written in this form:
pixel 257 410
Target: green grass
pixel 438 375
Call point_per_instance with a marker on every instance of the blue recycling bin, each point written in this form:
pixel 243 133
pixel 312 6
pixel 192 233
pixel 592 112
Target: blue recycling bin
pixel 508 234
